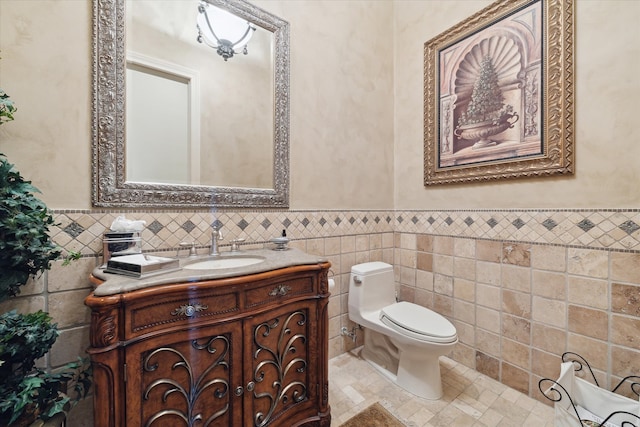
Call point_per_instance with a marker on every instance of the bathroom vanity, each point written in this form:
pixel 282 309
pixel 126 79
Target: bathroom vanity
pixel 239 346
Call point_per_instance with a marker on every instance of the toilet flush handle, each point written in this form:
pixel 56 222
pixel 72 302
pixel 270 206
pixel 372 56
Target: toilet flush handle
pixel 357 280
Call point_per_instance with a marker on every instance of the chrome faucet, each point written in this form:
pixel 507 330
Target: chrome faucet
pixel 216 235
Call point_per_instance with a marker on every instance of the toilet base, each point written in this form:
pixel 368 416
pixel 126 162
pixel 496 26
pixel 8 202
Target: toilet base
pixel 426 387
pixel 419 375
pixel 380 351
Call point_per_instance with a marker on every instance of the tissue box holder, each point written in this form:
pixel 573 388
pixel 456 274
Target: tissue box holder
pixel 141 266
pixel 120 243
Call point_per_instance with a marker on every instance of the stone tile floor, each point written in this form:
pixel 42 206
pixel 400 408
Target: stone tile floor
pixel 470 398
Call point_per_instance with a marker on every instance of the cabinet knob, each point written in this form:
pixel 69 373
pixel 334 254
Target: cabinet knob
pixel 239 391
pixel 251 386
pixel 189 310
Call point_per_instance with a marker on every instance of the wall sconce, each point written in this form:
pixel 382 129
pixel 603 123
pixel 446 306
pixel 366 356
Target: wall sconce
pixel 228 27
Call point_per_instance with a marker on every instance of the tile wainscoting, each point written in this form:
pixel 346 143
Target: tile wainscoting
pixel 521 286
pixel 595 229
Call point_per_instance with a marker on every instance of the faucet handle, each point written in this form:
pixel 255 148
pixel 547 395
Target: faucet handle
pixel 234 244
pixel 216 231
pixel 191 246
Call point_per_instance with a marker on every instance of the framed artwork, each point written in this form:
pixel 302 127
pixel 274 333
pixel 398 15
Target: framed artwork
pixel 499 94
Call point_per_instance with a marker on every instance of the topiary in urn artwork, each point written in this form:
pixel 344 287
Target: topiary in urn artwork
pixel 486 115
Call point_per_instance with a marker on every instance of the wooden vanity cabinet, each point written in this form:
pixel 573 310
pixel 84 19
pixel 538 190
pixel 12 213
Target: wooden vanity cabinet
pixel 242 351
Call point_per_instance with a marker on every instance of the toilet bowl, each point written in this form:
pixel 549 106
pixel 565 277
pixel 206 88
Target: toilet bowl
pixel 402 340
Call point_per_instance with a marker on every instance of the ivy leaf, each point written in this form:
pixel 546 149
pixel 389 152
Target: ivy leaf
pixel 26 248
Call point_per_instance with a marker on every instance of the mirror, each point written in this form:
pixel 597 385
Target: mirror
pixel 227 142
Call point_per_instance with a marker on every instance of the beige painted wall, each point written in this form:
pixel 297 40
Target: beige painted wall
pixel 45 48
pixel 341 100
pixel 607 51
pixel 344 105
pixel 341 103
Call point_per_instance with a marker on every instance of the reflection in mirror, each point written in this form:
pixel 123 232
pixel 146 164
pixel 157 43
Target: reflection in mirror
pixel 227 33
pixel 200 131
pixel 163 122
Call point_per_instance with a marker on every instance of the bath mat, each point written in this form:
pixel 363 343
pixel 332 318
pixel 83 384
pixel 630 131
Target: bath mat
pixel 373 416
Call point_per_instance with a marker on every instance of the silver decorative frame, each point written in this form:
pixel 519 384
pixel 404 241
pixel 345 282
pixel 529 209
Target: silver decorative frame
pixel 557 98
pixel 110 188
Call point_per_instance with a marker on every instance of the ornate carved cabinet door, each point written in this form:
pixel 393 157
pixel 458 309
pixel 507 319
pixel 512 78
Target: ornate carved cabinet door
pixel 186 378
pixel 247 351
pixel 281 364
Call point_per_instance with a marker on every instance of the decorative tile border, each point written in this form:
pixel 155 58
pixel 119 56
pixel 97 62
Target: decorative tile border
pixel 596 229
pixel 82 230
pixel 617 230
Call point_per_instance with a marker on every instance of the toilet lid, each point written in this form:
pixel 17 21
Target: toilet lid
pixel 419 322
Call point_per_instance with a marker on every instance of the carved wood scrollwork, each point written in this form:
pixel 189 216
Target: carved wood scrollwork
pixel 324 282
pixel 280 290
pixel 103 332
pixel 217 349
pixel 285 359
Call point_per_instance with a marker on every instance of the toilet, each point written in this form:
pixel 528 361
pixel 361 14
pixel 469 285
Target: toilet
pixel 402 340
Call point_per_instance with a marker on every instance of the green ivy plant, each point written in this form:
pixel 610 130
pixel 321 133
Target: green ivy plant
pixel 7 108
pixel 25 246
pixel 26 249
pixel 24 388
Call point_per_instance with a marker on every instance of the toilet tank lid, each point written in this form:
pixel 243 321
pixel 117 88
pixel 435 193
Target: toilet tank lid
pixel 371 267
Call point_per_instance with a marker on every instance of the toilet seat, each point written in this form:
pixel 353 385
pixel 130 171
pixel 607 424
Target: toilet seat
pixel 418 322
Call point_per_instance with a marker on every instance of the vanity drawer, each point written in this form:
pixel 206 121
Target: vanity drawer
pixel 158 315
pixel 278 291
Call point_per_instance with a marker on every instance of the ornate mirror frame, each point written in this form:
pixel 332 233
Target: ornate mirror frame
pixel 110 188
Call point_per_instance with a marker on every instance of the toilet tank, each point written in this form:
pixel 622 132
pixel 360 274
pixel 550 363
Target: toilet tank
pixel 371 287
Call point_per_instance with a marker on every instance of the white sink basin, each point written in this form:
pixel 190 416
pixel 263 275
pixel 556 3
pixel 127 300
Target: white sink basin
pixel 227 262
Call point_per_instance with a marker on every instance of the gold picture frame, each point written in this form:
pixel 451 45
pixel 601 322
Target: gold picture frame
pixel 499 94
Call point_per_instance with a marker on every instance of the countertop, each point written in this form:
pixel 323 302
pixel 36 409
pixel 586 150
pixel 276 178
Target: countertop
pixel 116 283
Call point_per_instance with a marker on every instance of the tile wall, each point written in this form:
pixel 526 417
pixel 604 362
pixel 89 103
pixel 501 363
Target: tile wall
pixel 521 286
